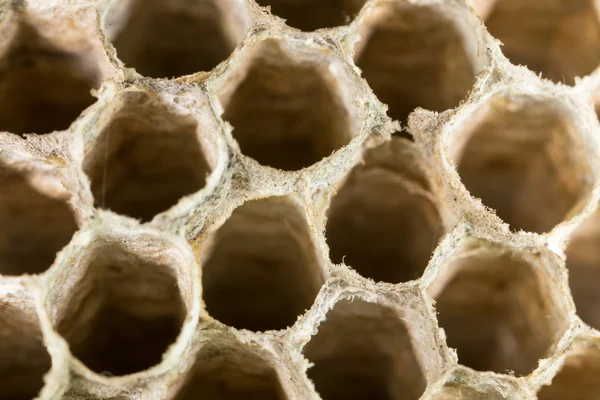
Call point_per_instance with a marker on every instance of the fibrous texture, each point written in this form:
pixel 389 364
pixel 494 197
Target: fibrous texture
pixel 299 199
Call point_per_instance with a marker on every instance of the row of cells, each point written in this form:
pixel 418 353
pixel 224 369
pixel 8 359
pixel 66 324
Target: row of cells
pixel 558 39
pixel 384 222
pixel 517 156
pixel 411 55
pixel 54 84
pixel 496 306
pixel 144 145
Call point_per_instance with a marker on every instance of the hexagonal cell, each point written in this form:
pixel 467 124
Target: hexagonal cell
pixel 36 218
pixel 583 263
pixel 364 351
pixel 232 372
pixel 123 310
pixel 165 39
pixel 384 222
pixel 24 360
pixel 145 159
pixel 560 39
pixel 310 15
pixel 523 158
pixel 43 88
pixel 260 269
pixel 498 308
pixel 416 56
pixel 287 114
pixel 578 376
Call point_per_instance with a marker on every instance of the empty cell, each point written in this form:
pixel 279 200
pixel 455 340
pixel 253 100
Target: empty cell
pixel 24 360
pixel 497 310
pixel 166 39
pixel 226 371
pixel 383 221
pixel 43 88
pixel 310 15
pixel 36 222
pixel 583 263
pixel 524 159
pixel 363 351
pixel 559 39
pixel 578 377
pixel 415 56
pixel 260 269
pixel 123 313
pixel 285 114
pixel 144 160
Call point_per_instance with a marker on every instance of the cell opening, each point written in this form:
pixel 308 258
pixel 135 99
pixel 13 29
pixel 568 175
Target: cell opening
pixel 123 313
pixel 364 351
pixel 223 371
pixel 261 270
pixel 525 160
pixel 145 160
pixel 383 222
pixel 415 56
pixel 24 360
pixel 310 15
pixel 559 39
pixel 285 114
pixel 578 377
pixel 497 310
pixel 165 39
pixel 37 222
pixel 583 263
pixel 43 88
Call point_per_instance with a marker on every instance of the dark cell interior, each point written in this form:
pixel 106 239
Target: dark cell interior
pixel 286 115
pixel 261 270
pixel 43 88
pixel 583 263
pixel 145 160
pixel 496 311
pixel 35 225
pixel 382 222
pixel 578 377
pixel 363 351
pixel 522 159
pixel 232 373
pixel 414 56
pixel 24 360
pixel 123 314
pixel 166 39
pixel 559 39
pixel 310 15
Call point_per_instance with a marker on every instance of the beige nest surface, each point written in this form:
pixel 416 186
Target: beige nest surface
pixel 299 199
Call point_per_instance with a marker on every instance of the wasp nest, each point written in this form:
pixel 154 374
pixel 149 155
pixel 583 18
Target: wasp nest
pixel 308 199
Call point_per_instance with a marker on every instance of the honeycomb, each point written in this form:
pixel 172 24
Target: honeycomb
pixel 299 199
